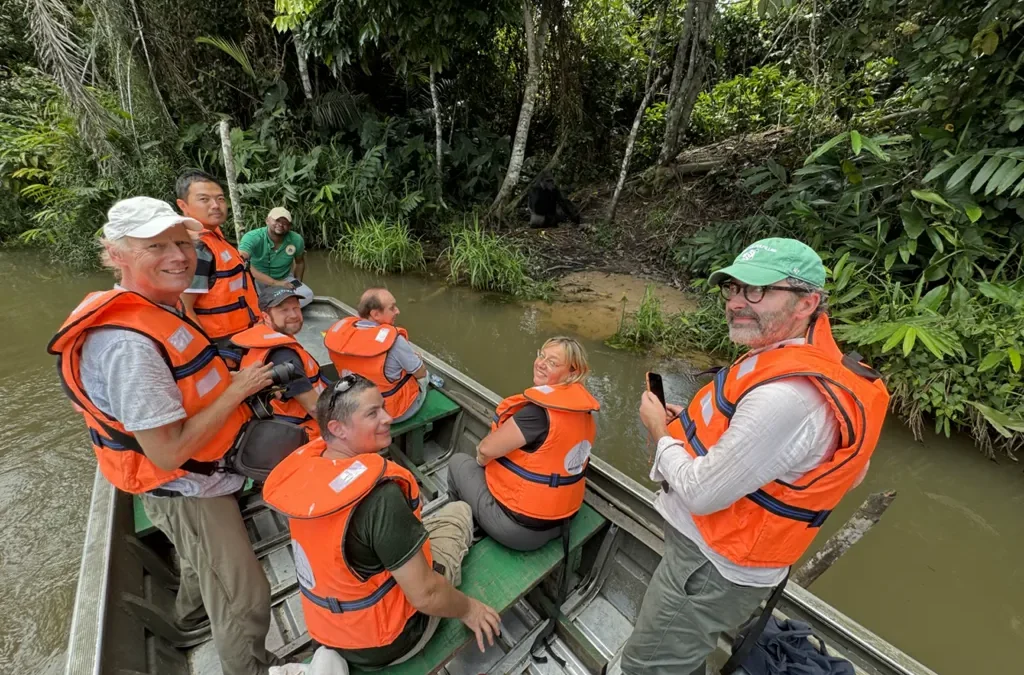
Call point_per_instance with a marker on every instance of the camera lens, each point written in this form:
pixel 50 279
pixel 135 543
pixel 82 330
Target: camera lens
pixel 283 373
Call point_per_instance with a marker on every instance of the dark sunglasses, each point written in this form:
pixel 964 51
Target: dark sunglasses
pixel 340 387
pixel 753 294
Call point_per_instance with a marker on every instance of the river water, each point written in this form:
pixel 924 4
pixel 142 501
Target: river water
pixel 940 575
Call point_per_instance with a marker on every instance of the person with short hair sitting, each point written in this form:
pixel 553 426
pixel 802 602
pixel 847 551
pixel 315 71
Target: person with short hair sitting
pixel 273 341
pixel 277 254
pixel 375 579
pixel 529 475
pixel 373 346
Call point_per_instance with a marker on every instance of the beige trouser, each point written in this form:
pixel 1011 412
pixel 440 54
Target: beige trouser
pixel 218 564
pixel 451 532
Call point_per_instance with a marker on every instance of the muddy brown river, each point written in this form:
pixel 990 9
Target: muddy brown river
pixel 940 577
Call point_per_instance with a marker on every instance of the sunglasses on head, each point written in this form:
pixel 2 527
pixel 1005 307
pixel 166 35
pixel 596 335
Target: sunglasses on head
pixel 340 387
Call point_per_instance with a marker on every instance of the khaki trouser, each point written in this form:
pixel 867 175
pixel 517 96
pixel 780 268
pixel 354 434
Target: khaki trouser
pixel 219 569
pixel 687 605
pixel 450 530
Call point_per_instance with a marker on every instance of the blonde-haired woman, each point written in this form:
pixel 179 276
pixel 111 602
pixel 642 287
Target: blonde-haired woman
pixel 529 474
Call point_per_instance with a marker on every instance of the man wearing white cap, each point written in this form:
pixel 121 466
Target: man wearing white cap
pixel 162 411
pixel 277 254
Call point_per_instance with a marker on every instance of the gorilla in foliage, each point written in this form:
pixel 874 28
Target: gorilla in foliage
pixel 548 206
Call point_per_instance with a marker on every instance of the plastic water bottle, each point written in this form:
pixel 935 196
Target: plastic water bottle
pixel 436 381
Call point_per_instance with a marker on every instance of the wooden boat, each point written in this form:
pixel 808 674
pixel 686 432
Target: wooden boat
pixel 122 620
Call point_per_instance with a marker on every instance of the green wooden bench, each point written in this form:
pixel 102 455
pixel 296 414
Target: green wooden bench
pixel 499 577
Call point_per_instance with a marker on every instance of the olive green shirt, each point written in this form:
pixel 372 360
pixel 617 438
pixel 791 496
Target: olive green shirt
pixel 275 262
pixel 384 533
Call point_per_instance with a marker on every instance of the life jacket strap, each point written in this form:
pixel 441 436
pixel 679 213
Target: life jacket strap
pixel 398 386
pixel 224 309
pixel 336 606
pixel 554 480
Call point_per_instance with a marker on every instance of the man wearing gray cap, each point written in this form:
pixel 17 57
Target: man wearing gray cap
pixel 277 254
pixel 162 411
pixel 756 462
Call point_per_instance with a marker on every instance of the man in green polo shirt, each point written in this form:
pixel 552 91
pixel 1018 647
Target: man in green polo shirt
pixel 277 256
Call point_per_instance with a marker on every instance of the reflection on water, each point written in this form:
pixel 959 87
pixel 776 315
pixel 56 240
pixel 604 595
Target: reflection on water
pixel 939 572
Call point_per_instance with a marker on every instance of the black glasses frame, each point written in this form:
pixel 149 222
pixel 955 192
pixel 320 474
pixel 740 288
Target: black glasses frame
pixel 340 387
pixel 730 289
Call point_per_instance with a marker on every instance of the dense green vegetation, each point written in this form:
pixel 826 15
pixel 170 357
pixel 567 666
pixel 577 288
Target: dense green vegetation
pixel 392 128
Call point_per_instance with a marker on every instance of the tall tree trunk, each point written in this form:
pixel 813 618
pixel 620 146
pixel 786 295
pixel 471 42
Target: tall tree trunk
pixel 536 40
pixel 649 89
pixel 624 171
pixel 229 176
pixel 693 53
pixel 438 131
pixel 302 56
pixel 149 66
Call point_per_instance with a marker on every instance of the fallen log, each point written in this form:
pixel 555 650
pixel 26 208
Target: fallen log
pixel 862 520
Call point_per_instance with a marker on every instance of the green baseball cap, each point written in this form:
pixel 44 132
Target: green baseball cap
pixel 769 261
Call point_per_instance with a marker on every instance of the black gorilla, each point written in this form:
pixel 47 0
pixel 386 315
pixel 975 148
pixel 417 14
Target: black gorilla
pixel 548 207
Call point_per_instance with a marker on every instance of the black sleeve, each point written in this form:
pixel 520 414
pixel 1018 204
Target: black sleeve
pixel 286 355
pixel 533 421
pixel 383 532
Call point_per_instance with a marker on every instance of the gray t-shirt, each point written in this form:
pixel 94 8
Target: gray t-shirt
pixel 144 396
pixel 401 356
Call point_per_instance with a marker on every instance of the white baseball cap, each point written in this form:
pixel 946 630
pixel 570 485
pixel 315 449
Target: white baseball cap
pixel 280 212
pixel 144 218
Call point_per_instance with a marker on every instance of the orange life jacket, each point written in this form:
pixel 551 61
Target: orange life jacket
pixel 319 496
pixel 547 483
pixel 262 339
pixel 354 349
pixel 232 304
pixel 773 526
pixel 199 372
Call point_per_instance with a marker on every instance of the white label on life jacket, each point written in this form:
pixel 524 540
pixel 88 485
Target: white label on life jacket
pixel 747 366
pixel 343 479
pixel 236 284
pixel 577 458
pixel 303 570
pixel 180 339
pixel 382 335
pixel 706 409
pixel 225 255
pixel 544 389
pixel 273 334
pixel 207 382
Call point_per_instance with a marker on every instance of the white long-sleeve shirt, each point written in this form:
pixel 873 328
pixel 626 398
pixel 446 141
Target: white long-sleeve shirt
pixel 780 430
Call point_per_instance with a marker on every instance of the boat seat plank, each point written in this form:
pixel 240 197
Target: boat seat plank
pixel 144 526
pixel 435 407
pixel 499 577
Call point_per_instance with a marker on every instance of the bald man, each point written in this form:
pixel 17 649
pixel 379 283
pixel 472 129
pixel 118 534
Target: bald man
pixel 372 345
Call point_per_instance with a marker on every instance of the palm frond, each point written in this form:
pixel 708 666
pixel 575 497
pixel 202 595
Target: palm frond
pixel 232 49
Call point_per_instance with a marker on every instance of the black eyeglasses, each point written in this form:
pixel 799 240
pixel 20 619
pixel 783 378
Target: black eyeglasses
pixel 340 387
pixel 753 294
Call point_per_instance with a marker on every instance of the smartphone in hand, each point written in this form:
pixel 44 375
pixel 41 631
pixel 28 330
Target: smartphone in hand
pixel 656 386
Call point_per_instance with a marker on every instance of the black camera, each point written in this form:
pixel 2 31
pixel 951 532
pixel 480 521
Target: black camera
pixel 284 374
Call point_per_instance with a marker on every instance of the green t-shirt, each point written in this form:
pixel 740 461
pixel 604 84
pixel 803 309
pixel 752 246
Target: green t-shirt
pixel 276 263
pixel 384 533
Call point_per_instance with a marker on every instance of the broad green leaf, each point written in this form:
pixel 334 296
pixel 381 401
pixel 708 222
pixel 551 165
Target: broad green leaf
pixel 961 174
pixel 1014 358
pixel 1016 123
pixel 934 298
pixel 985 173
pixel 889 260
pixel 989 43
pixel 991 361
pixel 855 142
pixel 825 147
pixel 1010 178
pixel 908 340
pixel 913 221
pixel 999 420
pixel 942 167
pixel 931 197
pixel 1005 169
pixel 874 148
pixel 930 344
pixel 973 211
pixel 895 338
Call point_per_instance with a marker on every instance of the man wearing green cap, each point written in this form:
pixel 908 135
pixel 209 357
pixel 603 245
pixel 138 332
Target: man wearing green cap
pixel 753 466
